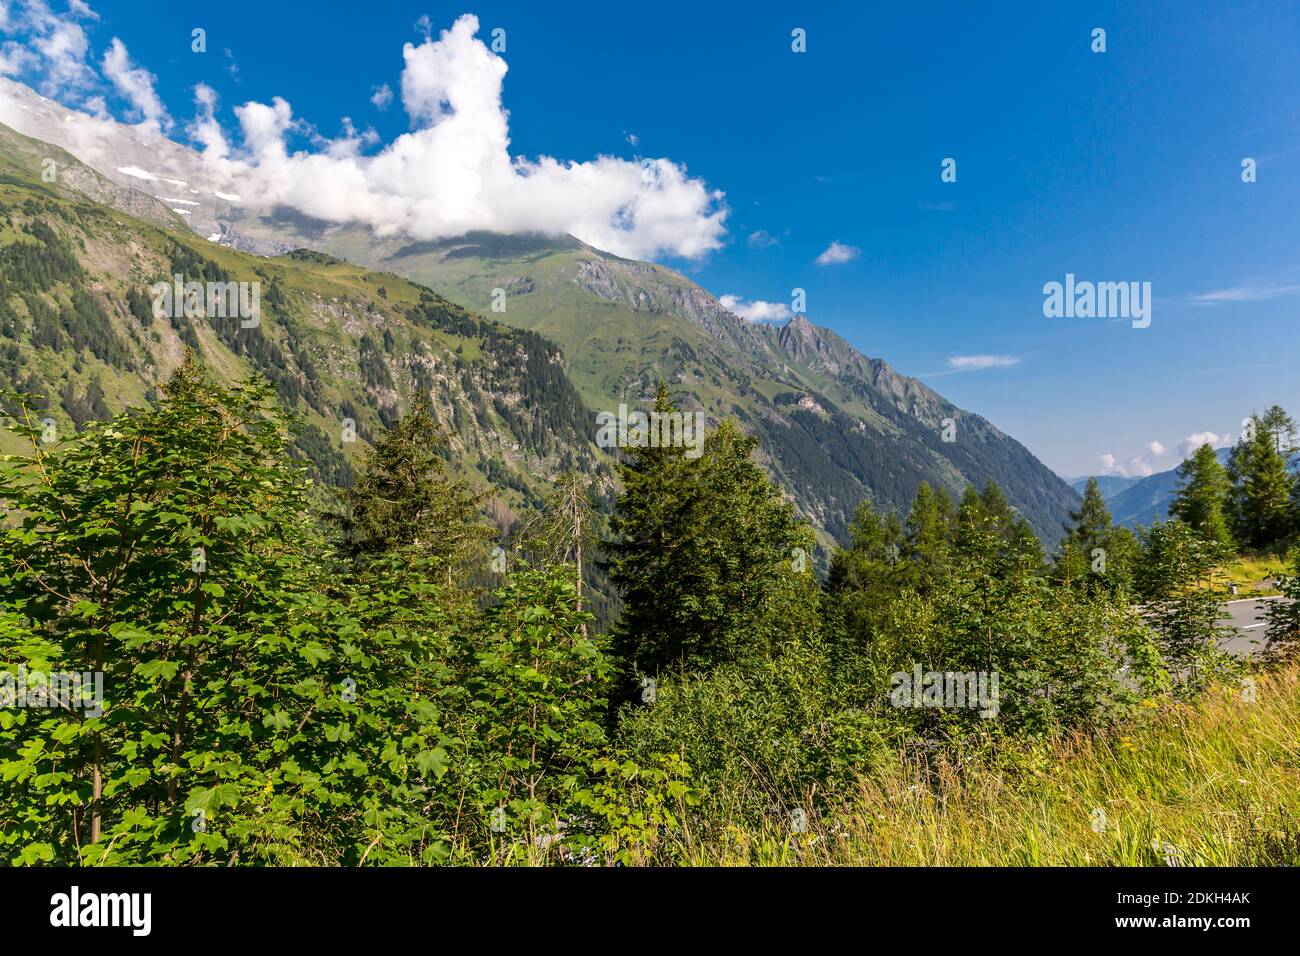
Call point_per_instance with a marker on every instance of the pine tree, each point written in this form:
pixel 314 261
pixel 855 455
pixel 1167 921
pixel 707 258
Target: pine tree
pixel 711 562
pixel 1094 553
pixel 1260 498
pixel 403 500
pixel 927 543
pixel 1202 496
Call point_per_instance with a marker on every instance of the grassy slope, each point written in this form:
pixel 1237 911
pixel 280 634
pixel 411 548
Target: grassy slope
pixel 1215 783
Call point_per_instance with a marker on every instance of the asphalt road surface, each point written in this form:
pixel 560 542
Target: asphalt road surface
pixel 1249 624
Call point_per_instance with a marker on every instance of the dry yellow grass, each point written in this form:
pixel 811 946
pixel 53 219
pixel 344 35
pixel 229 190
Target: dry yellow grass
pixel 1216 782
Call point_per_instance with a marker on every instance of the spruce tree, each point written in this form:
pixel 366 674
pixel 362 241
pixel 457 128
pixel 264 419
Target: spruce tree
pixel 1094 553
pixel 711 562
pixel 1260 498
pixel 1090 524
pixel 927 543
pixel 1202 496
pixel 404 501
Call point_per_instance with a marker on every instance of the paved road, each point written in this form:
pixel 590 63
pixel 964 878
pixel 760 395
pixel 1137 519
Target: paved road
pixel 1247 618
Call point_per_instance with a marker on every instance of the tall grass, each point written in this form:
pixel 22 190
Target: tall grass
pixel 1254 574
pixel 1215 782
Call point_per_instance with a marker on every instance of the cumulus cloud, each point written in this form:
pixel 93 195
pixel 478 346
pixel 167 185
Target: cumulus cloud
pixel 1145 464
pixel 136 85
pixel 1133 468
pixel 838 252
pixel 1197 439
pixel 382 96
pixel 762 239
pixel 451 174
pixel 755 311
pixel 454 173
pixel 975 363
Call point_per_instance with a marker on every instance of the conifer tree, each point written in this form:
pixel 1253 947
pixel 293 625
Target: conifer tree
pixel 1283 428
pixel 927 543
pixel 1261 490
pixel 1091 523
pixel 1094 553
pixel 1202 496
pixel 711 562
pixel 404 501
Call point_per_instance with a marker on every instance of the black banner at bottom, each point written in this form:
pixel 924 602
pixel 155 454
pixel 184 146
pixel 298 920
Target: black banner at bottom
pixel 149 906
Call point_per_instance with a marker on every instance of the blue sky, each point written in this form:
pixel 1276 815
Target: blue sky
pixel 1115 166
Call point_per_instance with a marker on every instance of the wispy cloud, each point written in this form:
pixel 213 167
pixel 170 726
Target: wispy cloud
pixel 1243 293
pixel 976 363
pixel 136 85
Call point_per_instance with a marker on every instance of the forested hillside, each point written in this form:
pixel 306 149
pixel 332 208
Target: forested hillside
pixel 345 349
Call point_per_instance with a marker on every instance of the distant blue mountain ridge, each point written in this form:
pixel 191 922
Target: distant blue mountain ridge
pixel 1135 501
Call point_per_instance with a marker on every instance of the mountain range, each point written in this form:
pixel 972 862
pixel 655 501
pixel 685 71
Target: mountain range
pixel 1135 501
pixel 520 338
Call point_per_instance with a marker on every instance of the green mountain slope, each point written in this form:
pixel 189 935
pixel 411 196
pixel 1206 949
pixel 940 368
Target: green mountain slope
pixel 834 425
pixel 342 345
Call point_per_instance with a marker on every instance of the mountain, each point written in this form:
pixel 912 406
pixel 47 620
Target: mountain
pixel 834 426
pixel 344 348
pixel 1148 499
pixel 1110 485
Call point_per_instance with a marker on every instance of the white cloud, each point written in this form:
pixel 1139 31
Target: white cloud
pixel 838 252
pixel 15 58
pixel 1244 293
pixel 632 139
pixel 762 239
pixel 974 363
pixel 1133 468
pixel 59 42
pixel 1197 439
pixel 1155 448
pixel 136 84
pixel 756 311
pixel 382 96
pixel 454 173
